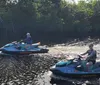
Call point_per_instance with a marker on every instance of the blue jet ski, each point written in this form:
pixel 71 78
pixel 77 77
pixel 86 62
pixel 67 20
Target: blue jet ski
pixel 20 48
pixel 76 68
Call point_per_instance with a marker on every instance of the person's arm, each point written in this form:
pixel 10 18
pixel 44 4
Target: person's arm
pixel 84 53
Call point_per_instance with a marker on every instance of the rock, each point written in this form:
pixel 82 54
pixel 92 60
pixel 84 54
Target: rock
pixel 2 83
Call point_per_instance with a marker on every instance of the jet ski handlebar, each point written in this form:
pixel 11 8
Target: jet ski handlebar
pixel 79 56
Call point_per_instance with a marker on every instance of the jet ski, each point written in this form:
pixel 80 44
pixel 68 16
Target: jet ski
pixel 76 68
pixel 20 48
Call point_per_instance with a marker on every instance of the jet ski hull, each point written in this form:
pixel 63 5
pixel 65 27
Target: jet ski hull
pixel 71 70
pixel 25 52
pixel 69 75
pixel 20 49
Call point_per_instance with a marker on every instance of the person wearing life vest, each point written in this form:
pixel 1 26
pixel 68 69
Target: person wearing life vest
pixel 28 39
pixel 92 54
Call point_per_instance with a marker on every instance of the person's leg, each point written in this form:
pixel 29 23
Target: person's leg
pixel 93 61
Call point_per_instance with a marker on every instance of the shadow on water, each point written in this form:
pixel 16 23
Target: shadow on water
pixel 66 82
pixel 60 82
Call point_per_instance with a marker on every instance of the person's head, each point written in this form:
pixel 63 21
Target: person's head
pixel 91 46
pixel 28 34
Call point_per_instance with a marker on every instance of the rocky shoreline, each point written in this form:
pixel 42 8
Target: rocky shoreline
pixel 23 70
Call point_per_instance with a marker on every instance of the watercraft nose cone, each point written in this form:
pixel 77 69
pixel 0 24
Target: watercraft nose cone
pixel 52 68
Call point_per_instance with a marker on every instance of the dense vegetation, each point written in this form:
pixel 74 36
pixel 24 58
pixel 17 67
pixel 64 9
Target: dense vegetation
pixel 48 20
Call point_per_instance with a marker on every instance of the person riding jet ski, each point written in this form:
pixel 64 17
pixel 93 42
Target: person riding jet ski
pixel 92 54
pixel 28 39
pixel 88 64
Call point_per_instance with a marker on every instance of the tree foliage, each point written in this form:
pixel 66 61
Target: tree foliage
pixel 48 20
